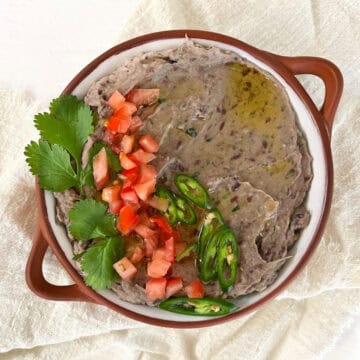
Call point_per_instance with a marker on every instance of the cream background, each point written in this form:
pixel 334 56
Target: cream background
pixel 43 44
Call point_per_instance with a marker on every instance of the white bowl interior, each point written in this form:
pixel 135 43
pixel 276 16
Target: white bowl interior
pixel 315 199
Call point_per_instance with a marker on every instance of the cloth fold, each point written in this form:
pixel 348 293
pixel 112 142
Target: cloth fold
pixel 306 320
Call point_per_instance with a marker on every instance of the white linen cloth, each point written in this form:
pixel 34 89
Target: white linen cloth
pixel 307 319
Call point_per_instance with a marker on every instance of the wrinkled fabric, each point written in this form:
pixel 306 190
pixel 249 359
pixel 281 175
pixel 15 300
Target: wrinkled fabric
pixel 306 320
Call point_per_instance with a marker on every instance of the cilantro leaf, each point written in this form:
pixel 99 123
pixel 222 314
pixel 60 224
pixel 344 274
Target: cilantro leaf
pixel 113 159
pixel 52 165
pixel 68 124
pixel 89 219
pixel 97 262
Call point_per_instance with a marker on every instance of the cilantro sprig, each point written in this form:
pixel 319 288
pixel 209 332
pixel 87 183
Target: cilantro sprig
pixel 97 262
pixel 89 219
pixel 56 158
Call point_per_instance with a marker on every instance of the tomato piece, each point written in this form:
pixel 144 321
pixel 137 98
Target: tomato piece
pixel 158 268
pixel 101 169
pixel 173 286
pixel 127 220
pixel 148 143
pixel 143 96
pixel 125 162
pixel 111 193
pixel 144 231
pixel 159 253
pixel 128 195
pixel 127 143
pixel 145 189
pixel 142 156
pixel 158 203
pixel 116 100
pixel 136 124
pixel 125 269
pixel 162 223
pixel 119 124
pixel 155 289
pixel 146 173
pixel 126 110
pixel 137 255
pixel 129 177
pixel 195 289
pixel 180 247
pixel 170 250
pixel 115 206
pixel 150 244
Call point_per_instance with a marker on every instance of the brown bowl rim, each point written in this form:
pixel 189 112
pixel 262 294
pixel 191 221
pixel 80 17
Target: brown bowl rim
pixel 267 58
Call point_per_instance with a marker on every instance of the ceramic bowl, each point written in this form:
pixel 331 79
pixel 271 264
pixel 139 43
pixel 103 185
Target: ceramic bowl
pixel 315 123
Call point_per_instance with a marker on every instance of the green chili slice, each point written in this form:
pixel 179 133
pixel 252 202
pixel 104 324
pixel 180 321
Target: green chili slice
pixel 212 221
pixel 186 252
pixel 208 264
pixel 193 190
pixel 185 212
pixel 171 212
pixel 227 260
pixel 198 307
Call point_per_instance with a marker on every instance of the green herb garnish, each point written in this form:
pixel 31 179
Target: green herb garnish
pixel 56 158
pixel 236 208
pixel 98 260
pixel 89 219
pixel 191 132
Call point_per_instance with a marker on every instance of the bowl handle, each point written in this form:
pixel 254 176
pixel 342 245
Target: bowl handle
pixel 328 72
pixel 37 282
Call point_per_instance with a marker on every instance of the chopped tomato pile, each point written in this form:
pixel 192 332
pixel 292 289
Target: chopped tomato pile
pixel 132 198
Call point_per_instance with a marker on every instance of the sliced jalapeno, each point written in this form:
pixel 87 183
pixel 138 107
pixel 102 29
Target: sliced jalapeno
pixel 185 212
pixel 171 212
pixel 198 307
pixel 186 252
pixel 227 260
pixel 193 190
pixel 208 265
pixel 212 221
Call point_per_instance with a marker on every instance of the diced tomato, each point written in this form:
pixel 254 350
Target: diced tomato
pixel 144 231
pixel 119 124
pixel 129 177
pixel 127 220
pixel 162 223
pixel 127 143
pixel 142 156
pixel 148 143
pixel 115 206
pixel 145 189
pixel 173 286
pixel 150 245
pixel 128 195
pixel 159 253
pixel 143 96
pixel 111 193
pixel 144 219
pixel 116 100
pixel 170 250
pixel 195 289
pixel 180 247
pixel 125 269
pixel 158 203
pixel 113 140
pixel 126 110
pixel 125 162
pixel 158 268
pixel 137 255
pixel 146 173
pixel 136 124
pixel 101 169
pixel 155 289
